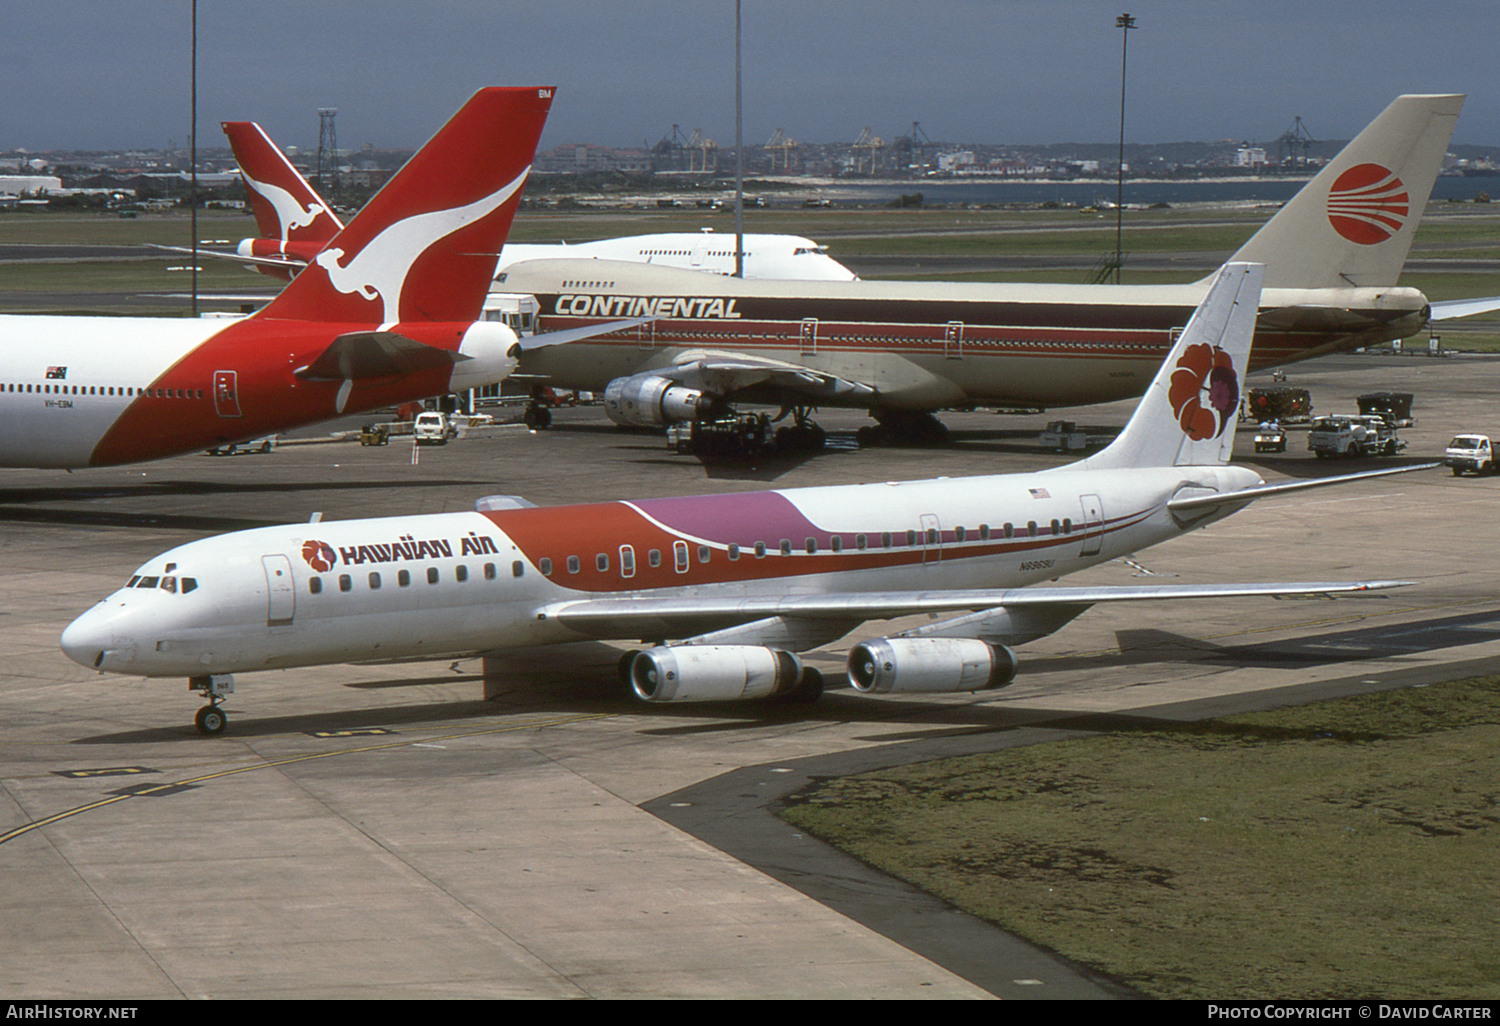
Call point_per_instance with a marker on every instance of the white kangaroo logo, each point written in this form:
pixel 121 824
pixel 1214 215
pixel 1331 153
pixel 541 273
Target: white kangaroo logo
pixel 380 268
pixel 289 211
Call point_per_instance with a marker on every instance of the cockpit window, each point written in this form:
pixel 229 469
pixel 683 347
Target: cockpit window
pixel 148 582
pixel 169 584
pixel 189 584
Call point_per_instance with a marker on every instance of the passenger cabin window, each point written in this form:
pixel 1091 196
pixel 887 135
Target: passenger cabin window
pixel 680 557
pixel 346 583
pixel 403 578
pixel 432 575
pixel 461 573
pixel 374 581
pixel 315 585
pixel 627 561
pixel 517 569
pixel 545 565
pixel 573 566
pixel 490 571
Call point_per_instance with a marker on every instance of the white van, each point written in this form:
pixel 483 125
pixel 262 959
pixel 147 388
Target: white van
pixel 433 429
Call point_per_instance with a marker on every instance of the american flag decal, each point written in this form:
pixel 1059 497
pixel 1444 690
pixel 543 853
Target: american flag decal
pixel 56 373
pixel 1039 493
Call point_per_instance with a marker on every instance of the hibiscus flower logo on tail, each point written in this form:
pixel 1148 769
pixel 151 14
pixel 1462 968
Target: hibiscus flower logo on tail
pixel 319 555
pixel 1204 391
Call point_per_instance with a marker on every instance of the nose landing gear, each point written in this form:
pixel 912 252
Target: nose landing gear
pixel 211 720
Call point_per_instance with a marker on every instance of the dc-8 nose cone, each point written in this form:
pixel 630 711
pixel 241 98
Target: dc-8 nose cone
pixel 87 638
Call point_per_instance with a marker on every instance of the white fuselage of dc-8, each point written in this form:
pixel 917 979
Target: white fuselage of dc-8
pixel 462 583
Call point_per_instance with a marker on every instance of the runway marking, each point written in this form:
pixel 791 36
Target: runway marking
pixel 160 790
pixel 108 771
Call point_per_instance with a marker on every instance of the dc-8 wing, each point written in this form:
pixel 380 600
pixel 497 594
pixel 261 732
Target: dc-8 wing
pixel 657 618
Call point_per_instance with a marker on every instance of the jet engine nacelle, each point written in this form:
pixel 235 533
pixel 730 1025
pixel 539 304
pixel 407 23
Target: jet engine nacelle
pixel 713 673
pixel 647 400
pixel 883 665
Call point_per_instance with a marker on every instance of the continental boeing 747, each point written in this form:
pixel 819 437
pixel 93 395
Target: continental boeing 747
pixel 728 589
pixel 903 350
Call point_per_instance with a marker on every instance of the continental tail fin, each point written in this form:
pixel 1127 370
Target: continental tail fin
pixel 1187 416
pixel 1352 225
pixel 425 247
pixel 286 208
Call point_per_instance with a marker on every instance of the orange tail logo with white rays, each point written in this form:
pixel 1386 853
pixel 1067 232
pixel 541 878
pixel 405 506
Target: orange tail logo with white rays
pixel 1368 204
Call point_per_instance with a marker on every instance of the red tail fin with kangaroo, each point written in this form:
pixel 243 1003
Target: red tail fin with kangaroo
pixel 425 247
pixel 286 208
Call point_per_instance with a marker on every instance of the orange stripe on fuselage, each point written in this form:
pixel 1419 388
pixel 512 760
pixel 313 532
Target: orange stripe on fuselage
pixel 585 531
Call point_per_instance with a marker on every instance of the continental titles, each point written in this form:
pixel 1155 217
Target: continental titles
pixel 575 305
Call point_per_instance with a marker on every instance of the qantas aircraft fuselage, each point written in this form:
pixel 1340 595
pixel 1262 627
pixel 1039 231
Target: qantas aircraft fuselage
pixel 100 391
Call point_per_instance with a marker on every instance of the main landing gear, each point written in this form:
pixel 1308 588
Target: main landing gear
pixel 902 428
pixel 746 436
pixel 211 720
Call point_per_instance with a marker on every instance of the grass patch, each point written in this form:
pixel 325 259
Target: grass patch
pixel 1346 849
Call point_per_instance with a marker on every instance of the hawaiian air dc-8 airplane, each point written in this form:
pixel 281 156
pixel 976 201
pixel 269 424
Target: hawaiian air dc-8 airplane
pixel 902 350
pixel 389 311
pixel 742 581
pixel 295 223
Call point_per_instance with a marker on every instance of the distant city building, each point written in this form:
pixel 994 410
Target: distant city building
pixel 15 185
pixel 1250 156
pixel 581 158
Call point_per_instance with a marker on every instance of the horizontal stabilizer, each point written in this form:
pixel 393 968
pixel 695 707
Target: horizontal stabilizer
pixel 1447 311
pixel 1247 495
pixel 374 354
pixel 562 338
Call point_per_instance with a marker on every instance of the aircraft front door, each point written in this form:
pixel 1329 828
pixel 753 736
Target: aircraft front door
pixel 931 539
pixel 281 594
pixel 226 394
pixel 953 340
pixel 809 335
pixel 1093 524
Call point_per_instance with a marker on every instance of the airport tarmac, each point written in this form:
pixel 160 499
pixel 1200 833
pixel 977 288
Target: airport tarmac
pixel 386 832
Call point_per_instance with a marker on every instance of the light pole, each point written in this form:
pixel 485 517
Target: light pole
pixel 193 155
pixel 1124 23
pixel 739 159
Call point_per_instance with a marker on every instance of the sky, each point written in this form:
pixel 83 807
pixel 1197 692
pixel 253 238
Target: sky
pixel 105 75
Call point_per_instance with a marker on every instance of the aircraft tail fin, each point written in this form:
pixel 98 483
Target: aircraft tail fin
pixel 425 247
pixel 1187 417
pixel 286 208
pixel 1353 224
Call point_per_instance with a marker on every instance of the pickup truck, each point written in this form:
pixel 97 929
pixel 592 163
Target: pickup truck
pixel 1470 452
pixel 1352 434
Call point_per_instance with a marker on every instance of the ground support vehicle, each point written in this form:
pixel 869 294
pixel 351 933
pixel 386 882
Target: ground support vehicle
pixel 1470 453
pixel 1066 436
pixel 1351 435
pixel 1270 438
pixel 434 429
pixel 1282 405
pixel 1393 406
